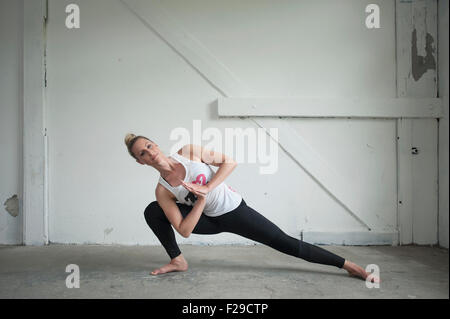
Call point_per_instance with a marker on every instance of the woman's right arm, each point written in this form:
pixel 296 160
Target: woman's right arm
pixel 184 226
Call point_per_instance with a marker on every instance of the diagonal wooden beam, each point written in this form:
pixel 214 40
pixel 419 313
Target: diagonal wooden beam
pixel 299 150
pixel 155 18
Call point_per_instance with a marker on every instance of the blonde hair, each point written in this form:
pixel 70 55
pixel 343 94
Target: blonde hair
pixel 130 139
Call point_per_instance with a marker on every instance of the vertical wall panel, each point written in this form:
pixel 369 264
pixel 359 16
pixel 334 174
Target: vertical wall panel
pixel 34 188
pixel 10 122
pixel 417 77
pixel 443 123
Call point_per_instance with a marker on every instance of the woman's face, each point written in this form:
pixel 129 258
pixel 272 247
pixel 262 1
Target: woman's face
pixel 146 152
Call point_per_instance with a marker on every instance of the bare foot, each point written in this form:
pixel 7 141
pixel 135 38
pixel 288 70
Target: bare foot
pixel 176 264
pixel 357 271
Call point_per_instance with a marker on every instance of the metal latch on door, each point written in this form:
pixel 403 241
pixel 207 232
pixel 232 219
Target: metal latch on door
pixel 414 151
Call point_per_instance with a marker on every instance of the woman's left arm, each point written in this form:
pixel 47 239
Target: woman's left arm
pixel 225 163
pixel 224 170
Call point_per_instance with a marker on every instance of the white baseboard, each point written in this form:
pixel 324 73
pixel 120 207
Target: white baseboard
pixel 362 238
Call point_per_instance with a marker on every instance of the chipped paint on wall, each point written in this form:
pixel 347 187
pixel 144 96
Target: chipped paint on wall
pixel 12 205
pixel 421 64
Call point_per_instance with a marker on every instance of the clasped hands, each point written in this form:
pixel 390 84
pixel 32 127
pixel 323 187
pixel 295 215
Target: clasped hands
pixel 198 190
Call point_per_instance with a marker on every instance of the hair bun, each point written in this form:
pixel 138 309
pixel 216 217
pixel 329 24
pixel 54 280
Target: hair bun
pixel 129 137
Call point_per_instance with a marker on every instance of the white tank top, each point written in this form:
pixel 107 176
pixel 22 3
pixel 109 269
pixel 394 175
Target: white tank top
pixel 222 199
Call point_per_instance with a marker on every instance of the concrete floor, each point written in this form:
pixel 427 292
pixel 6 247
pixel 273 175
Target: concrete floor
pixel 218 272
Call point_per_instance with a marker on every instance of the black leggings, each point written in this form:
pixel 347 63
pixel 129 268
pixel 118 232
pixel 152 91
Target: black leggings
pixel 243 221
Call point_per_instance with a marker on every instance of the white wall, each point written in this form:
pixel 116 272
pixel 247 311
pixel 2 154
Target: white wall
pixel 10 122
pixel 115 75
pixel 120 68
pixel 443 124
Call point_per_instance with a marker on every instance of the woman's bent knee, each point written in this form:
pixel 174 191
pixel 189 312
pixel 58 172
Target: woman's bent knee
pixel 152 211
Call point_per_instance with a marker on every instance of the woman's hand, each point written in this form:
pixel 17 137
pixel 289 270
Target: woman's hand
pixel 198 190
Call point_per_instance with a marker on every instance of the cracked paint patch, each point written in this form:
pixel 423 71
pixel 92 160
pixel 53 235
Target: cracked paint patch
pixel 12 205
pixel 421 64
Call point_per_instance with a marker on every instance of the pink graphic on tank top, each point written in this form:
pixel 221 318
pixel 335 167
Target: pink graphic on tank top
pixel 201 179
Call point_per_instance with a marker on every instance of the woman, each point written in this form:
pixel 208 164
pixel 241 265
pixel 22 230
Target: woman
pixel 193 198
